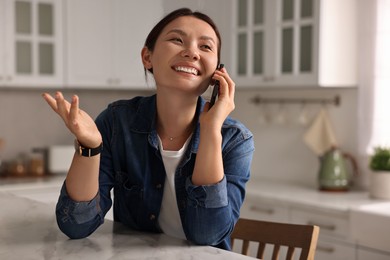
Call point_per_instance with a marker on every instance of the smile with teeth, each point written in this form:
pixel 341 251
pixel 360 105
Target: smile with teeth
pixel 187 70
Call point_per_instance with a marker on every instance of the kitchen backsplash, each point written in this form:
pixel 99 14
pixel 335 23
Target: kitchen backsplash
pixel 28 122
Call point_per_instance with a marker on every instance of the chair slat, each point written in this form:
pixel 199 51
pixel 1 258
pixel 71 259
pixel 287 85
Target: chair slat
pixel 275 252
pixel 245 247
pixel 290 253
pixel 260 250
pixel 278 234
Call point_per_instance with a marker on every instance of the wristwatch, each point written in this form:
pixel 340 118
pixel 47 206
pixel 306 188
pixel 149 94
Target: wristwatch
pixel 87 152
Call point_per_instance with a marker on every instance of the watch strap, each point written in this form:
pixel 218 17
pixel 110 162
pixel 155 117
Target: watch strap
pixel 87 152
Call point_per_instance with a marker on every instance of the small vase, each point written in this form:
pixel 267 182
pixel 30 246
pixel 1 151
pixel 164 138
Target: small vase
pixel 380 185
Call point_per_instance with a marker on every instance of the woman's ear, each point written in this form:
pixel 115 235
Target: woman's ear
pixel 146 58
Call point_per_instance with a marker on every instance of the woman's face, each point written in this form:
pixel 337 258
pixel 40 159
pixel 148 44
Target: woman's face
pixel 185 55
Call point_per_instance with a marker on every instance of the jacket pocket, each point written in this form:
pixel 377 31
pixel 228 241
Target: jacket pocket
pixel 128 201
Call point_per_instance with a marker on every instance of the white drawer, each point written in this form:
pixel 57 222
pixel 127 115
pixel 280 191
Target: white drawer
pixel 334 250
pixel 259 210
pixel 365 253
pixel 330 224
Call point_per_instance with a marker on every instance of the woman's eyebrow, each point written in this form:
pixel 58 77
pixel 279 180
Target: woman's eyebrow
pixel 178 31
pixel 183 33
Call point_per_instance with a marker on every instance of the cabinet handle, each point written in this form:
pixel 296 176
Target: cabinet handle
pixel 269 78
pixel 262 210
pixel 325 249
pixel 323 226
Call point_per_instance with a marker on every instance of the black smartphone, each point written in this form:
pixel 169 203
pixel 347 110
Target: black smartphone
pixel 216 88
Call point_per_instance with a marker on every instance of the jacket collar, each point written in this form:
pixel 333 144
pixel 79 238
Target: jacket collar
pixel 145 121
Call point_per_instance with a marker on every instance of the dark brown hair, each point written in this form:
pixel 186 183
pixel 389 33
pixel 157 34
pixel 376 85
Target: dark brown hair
pixel 150 41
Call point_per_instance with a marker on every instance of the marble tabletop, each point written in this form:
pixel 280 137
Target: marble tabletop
pixel 28 230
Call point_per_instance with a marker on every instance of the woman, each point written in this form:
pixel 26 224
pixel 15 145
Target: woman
pixel 176 165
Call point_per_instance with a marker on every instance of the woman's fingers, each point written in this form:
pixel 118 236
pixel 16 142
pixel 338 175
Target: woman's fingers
pixel 74 110
pixel 62 105
pixel 51 101
pixel 77 121
pixel 227 85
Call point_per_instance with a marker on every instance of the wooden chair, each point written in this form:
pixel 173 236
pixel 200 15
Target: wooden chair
pixel 291 236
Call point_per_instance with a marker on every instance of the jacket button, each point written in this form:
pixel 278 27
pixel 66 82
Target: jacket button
pixel 158 186
pixel 152 217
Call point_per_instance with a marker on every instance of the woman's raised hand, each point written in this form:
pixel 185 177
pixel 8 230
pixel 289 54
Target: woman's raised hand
pixel 76 120
pixel 225 103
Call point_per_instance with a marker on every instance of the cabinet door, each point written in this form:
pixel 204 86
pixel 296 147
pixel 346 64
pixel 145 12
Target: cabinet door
pixel 33 43
pixel 295 34
pixel 129 35
pixel 253 208
pixel 104 42
pixel 89 43
pixel 365 253
pixel 283 43
pixel 335 225
pixel 335 250
pixel 252 40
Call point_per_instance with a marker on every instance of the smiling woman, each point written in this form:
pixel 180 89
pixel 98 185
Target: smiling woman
pixel 176 164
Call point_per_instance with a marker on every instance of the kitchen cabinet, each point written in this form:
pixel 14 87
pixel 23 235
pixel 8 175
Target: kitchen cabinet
pixel 366 253
pixel 31 43
pixel 104 42
pixel 295 203
pixel 301 43
pixel 253 208
pixel 335 250
pixel 333 242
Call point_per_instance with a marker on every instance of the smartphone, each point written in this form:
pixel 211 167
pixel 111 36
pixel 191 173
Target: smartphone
pixel 216 88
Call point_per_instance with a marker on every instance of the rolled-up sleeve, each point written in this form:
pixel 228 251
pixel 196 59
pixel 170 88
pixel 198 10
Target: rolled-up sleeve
pixel 207 196
pixel 77 219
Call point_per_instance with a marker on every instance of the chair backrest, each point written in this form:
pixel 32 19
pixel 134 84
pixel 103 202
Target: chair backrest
pixel 291 236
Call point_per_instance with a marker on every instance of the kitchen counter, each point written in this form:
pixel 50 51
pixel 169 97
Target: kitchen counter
pixel 29 231
pixel 302 196
pixel 353 226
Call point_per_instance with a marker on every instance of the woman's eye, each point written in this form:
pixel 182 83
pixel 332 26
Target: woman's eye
pixel 207 47
pixel 176 40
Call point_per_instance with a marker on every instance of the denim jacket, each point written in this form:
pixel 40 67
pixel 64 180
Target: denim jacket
pixel 131 164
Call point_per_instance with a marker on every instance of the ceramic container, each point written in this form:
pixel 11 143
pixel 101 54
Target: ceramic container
pixel 380 185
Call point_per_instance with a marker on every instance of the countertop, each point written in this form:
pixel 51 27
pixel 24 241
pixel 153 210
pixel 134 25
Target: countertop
pixel 29 231
pixel 298 195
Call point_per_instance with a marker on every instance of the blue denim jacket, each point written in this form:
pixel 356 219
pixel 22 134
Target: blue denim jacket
pixel 131 164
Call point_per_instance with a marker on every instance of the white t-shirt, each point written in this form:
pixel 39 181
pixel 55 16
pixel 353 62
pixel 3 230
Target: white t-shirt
pixel 169 218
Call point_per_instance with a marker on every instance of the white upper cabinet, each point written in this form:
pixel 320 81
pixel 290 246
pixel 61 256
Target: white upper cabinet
pixel 302 43
pixel 31 43
pixel 104 42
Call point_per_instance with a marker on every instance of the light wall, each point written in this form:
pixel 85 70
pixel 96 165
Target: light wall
pixel 26 121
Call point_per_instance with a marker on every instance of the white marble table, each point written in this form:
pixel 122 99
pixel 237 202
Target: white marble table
pixel 28 230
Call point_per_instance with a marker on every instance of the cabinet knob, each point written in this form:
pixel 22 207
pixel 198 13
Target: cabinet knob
pixel 325 249
pixel 268 211
pixel 328 227
pixel 269 78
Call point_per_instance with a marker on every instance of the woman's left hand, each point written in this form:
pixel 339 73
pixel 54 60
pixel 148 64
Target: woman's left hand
pixel 224 105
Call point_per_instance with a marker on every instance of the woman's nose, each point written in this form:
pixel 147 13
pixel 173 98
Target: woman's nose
pixel 191 53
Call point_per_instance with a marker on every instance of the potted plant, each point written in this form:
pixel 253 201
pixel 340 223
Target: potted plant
pixel 380 176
